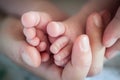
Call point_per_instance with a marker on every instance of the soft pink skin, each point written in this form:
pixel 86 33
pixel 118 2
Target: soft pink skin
pixel 34 24
pixel 111 36
pixel 54 30
pixel 79 64
pixel 63 60
pixel 34 59
pixel 42 46
pixel 61 48
pixel 58 61
pixel 34 42
pixel 63 41
pixel 94 29
pixel 20 50
pixel 80 52
pixel 30 33
pixel 34 18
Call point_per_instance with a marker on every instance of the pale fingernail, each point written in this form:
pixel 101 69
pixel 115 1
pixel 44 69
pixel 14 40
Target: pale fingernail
pixel 59 63
pixel 97 20
pixel 45 57
pixel 29 33
pixel 59 44
pixel 27 59
pixel 60 29
pixel 84 44
pixel 112 54
pixel 110 42
pixel 29 21
pixel 54 49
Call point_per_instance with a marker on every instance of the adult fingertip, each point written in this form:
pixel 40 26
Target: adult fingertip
pixel 31 56
pixel 82 52
pixel 109 42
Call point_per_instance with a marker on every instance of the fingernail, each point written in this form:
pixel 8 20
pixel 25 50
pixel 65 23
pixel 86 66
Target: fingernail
pixel 110 42
pixel 84 44
pixel 97 20
pixel 59 63
pixel 60 28
pixel 59 44
pixel 54 49
pixel 32 19
pixel 112 54
pixel 27 59
pixel 55 29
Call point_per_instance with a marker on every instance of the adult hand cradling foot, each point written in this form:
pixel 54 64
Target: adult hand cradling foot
pixel 75 42
pixel 80 58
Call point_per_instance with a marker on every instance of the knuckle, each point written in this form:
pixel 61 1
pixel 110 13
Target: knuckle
pixel 94 71
pixel 85 63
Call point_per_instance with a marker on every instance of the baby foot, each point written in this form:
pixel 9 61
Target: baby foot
pixel 62 36
pixel 20 52
pixel 34 30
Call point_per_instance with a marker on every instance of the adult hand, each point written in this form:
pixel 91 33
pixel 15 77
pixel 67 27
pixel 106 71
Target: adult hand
pixel 76 69
pixel 112 35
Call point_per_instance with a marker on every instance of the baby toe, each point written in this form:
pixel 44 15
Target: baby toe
pixel 63 54
pixel 30 56
pixel 42 46
pixel 30 19
pixel 59 44
pixel 55 29
pixel 62 63
pixel 34 42
pixel 30 33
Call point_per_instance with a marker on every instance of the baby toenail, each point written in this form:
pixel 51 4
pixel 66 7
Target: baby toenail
pixel 30 19
pixel 35 41
pixel 55 29
pixel 54 49
pixel 97 20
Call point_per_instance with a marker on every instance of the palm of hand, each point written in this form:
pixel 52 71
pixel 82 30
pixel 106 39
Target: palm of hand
pixel 76 69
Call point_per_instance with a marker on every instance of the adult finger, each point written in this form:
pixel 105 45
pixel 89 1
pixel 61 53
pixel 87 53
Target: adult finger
pixel 78 67
pixel 112 33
